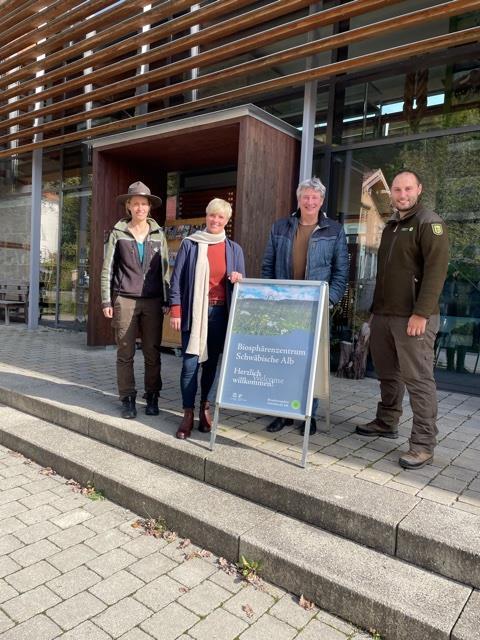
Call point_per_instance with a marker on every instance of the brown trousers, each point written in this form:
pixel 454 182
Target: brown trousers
pixel 406 361
pixel 133 317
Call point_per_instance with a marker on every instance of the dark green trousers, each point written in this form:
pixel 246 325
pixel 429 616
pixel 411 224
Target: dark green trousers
pixel 403 361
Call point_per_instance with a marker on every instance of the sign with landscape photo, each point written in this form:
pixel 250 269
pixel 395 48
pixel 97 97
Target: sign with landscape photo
pixel 269 358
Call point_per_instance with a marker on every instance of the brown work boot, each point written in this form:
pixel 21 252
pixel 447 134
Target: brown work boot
pixel 204 417
pixel 415 459
pixel 186 425
pixel 377 428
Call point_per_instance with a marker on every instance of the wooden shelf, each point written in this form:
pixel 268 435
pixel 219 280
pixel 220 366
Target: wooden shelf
pixel 182 228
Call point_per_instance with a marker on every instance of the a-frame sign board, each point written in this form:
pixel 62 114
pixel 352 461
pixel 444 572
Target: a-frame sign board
pixel 276 355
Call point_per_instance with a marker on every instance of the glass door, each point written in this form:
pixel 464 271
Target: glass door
pixel 74 276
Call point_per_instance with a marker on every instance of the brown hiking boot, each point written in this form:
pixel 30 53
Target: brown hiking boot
pixel 415 459
pixel 204 417
pixel 377 428
pixel 186 425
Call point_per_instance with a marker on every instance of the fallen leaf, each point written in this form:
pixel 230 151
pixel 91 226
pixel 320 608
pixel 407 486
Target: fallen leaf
pixel 247 609
pixel 256 582
pixel 184 543
pixel 75 485
pixel 204 553
pixel 305 604
pixel 229 568
pixel 48 471
pixel 184 589
pixel 169 536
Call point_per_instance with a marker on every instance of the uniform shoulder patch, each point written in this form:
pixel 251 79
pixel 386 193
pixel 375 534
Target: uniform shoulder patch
pixel 437 228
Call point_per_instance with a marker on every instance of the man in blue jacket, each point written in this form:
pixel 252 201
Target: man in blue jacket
pixel 307 246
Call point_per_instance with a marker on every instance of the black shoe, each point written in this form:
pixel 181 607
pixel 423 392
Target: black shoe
pixel 129 409
pixel 152 403
pixel 313 427
pixel 278 424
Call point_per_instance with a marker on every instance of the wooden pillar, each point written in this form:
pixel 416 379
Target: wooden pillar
pixel 267 177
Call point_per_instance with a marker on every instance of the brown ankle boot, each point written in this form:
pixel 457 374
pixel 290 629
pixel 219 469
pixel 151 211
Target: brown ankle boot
pixel 186 425
pixel 204 417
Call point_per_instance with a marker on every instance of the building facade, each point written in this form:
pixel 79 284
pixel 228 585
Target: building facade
pixel 100 90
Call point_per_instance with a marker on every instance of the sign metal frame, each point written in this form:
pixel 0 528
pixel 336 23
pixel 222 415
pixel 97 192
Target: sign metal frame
pixel 319 374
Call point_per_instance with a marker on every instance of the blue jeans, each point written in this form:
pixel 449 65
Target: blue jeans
pixel 217 328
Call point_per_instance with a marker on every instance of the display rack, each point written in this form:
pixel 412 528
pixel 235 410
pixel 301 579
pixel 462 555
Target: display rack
pixel 175 232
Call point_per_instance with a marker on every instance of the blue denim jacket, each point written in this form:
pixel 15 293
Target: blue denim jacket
pixel 327 257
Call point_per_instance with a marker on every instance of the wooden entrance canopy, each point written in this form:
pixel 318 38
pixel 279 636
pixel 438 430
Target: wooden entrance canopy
pixel 262 149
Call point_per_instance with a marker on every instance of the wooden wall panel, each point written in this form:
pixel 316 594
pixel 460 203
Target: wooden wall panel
pixel 268 165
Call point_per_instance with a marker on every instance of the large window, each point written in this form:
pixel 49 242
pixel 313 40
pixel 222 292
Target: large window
pixel 64 251
pixel 404 103
pixel 15 212
pixel 451 177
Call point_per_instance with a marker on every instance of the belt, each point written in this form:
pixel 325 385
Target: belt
pixel 216 303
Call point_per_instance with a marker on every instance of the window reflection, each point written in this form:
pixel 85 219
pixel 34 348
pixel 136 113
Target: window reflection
pixel 451 179
pixel 74 266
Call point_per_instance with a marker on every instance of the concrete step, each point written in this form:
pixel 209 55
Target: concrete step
pixel 432 536
pixel 364 586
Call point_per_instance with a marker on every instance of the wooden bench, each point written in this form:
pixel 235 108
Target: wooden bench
pixel 14 299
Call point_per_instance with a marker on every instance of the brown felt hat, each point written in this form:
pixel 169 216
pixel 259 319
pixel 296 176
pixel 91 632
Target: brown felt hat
pixel 139 189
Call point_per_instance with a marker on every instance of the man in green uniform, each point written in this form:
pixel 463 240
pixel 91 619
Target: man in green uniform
pixel 412 266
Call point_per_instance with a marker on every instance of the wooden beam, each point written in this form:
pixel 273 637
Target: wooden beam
pixel 50 22
pixel 409 20
pixel 57 44
pixel 205 36
pixel 324 73
pixel 32 26
pixel 116 50
pixel 13 14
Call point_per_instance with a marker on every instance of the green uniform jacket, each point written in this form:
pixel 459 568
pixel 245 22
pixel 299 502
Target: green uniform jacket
pixel 124 274
pixel 412 265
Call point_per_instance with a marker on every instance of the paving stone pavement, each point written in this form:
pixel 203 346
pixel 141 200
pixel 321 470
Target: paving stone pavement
pixel 453 479
pixel 76 568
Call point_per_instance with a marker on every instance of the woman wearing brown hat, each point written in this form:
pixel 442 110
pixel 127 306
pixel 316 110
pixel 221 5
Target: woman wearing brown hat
pixel 134 290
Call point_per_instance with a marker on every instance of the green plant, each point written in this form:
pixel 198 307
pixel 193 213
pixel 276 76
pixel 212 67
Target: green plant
pixel 92 493
pixel 156 527
pixel 249 569
pixel 89 490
